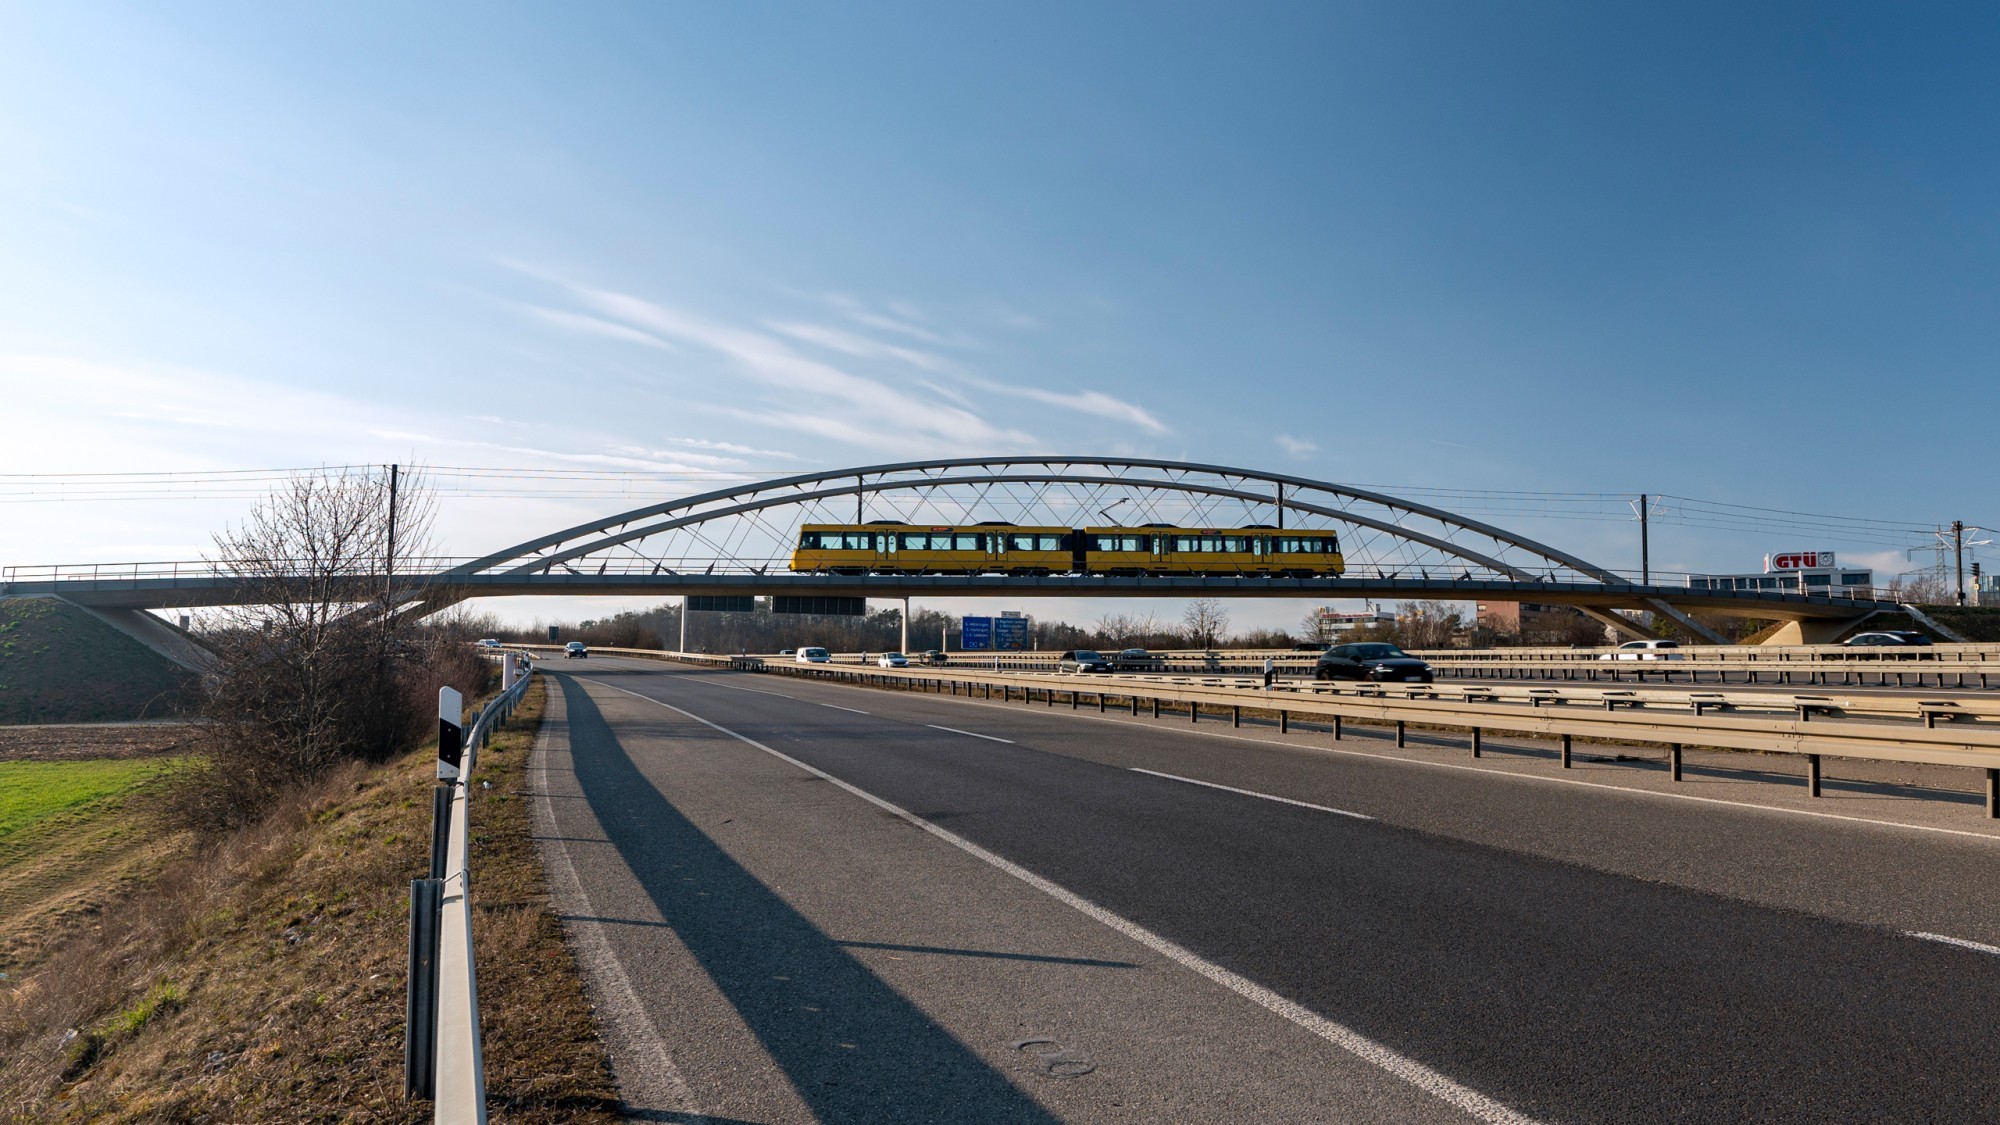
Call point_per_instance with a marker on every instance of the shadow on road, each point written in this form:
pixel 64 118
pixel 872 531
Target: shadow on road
pixel 854 1049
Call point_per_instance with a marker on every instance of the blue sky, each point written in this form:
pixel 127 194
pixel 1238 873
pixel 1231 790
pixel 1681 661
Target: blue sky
pixel 1745 253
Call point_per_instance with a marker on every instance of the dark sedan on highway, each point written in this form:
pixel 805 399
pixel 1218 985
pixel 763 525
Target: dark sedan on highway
pixel 1082 660
pixel 1383 663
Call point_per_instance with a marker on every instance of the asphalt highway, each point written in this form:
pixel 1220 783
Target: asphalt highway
pixel 797 901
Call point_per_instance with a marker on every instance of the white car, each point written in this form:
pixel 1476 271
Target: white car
pixel 893 660
pixel 1645 650
pixel 812 656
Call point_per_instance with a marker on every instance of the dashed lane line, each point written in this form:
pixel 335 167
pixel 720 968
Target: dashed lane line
pixel 971 734
pixel 1478 1105
pixel 1976 946
pixel 1245 792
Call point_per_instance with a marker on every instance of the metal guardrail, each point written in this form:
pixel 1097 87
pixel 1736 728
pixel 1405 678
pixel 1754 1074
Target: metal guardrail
pixel 442 1056
pixel 1897 729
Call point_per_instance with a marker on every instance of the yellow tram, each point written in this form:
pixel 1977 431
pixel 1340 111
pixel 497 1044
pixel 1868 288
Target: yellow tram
pixel 898 548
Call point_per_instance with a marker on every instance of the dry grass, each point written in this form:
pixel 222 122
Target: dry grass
pixel 263 980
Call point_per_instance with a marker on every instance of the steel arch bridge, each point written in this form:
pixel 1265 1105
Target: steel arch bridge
pixel 738 540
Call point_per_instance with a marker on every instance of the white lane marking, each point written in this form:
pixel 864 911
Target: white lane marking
pixel 971 734
pixel 1471 1101
pixel 646 1065
pixel 1250 793
pixel 1977 946
pixel 835 706
pixel 759 691
pixel 1989 837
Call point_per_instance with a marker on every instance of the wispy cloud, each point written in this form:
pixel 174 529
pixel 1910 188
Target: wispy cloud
pixel 732 447
pixel 859 410
pixel 1095 403
pixel 1297 447
pixel 592 326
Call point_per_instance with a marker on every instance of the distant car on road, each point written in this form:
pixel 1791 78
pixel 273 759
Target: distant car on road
pixel 893 660
pixel 1645 650
pixel 1373 660
pixel 1886 638
pixel 787 652
pixel 487 642
pixel 812 656
pixel 1082 660
pixel 1135 660
pixel 935 658
pixel 576 650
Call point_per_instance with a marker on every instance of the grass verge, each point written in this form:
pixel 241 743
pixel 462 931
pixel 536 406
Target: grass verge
pixel 262 978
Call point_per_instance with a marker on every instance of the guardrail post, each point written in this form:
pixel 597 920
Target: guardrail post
pixel 1477 744
pixel 440 828
pixel 1194 711
pixel 1812 775
pixel 1336 728
pixel 420 999
pixel 1156 707
pixel 1399 734
pixel 1565 751
pixel 1284 722
pixel 1674 762
pixel 1236 716
pixel 1992 793
pixel 1100 703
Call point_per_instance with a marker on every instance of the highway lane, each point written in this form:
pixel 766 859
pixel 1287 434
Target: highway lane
pixel 1578 954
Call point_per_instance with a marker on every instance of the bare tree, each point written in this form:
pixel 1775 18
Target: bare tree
pixel 1429 624
pixel 1204 620
pixel 318 665
pixel 1317 627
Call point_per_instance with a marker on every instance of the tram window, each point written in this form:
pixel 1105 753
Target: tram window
pixel 1131 543
pixel 858 541
pixel 1034 542
pixel 810 540
pixel 968 542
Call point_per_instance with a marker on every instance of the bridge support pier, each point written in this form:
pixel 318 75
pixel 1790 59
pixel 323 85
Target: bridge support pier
pixel 1815 630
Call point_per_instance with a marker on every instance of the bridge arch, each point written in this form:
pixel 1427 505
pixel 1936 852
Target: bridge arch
pixel 1395 535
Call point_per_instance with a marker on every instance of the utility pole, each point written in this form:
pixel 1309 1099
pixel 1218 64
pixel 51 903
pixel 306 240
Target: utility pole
pixel 1645 545
pixel 1958 552
pixel 389 562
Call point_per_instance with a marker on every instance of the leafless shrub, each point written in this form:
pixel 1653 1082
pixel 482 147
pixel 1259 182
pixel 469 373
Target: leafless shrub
pixel 1429 624
pixel 326 662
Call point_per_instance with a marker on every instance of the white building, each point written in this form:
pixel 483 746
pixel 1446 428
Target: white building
pixel 1794 572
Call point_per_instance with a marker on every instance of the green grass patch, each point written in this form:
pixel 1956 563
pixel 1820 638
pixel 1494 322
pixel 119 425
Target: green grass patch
pixel 32 792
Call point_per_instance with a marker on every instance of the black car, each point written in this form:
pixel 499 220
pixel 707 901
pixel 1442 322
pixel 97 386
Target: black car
pixel 1082 660
pixel 1135 660
pixel 934 658
pixel 1383 663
